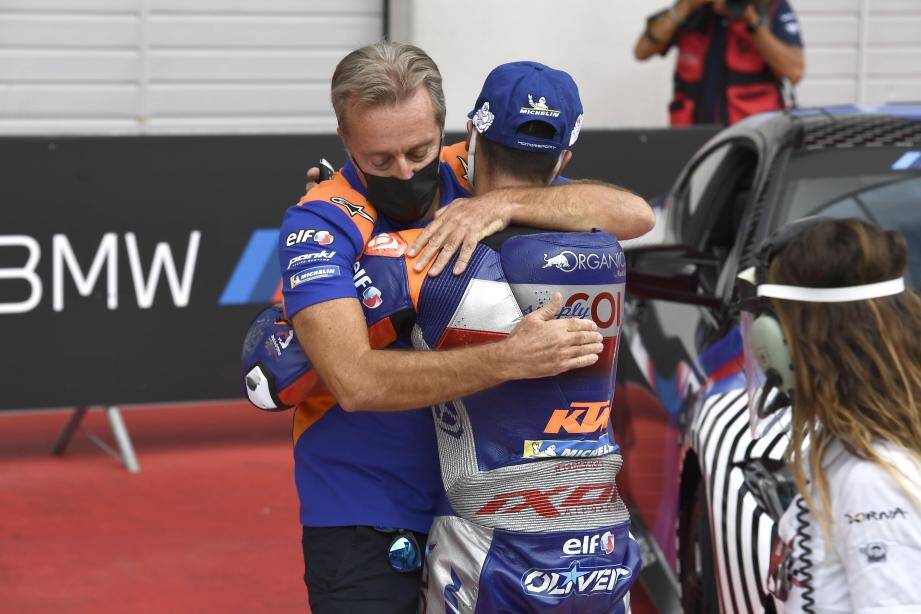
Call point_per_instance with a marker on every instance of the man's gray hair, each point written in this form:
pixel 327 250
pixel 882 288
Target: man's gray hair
pixel 384 74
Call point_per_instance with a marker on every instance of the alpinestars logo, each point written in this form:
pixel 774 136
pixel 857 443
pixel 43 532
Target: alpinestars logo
pixel 352 208
pixel 562 582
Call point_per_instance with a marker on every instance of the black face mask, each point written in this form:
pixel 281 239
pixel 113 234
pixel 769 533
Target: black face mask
pixel 404 200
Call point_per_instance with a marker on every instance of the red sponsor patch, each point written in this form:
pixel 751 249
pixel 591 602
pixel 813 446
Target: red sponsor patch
pixel 389 244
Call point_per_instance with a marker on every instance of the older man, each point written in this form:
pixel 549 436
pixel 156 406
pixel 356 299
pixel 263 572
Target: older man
pixel 361 472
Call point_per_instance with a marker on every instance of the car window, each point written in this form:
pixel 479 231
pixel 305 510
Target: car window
pixel 894 206
pixel 702 176
pixel 866 183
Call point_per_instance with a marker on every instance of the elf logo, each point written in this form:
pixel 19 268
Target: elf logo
pixel 589 544
pixel 322 237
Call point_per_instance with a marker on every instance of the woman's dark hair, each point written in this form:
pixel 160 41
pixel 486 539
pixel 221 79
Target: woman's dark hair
pixel 857 364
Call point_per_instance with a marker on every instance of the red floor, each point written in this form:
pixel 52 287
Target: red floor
pixel 209 525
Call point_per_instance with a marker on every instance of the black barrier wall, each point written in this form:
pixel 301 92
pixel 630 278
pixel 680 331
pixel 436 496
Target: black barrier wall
pixel 131 267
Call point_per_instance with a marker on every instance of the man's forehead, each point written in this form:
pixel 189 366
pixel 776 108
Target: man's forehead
pixel 400 127
pixel 400 146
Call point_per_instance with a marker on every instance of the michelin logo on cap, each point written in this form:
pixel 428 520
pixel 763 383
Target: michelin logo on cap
pixel 539 108
pixel 483 118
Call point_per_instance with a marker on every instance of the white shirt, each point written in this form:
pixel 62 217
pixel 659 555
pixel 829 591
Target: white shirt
pixel 873 564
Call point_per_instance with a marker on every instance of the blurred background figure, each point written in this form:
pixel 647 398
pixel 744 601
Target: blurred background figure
pixel 733 56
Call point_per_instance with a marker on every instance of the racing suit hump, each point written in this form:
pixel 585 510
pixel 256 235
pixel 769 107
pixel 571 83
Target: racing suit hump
pixel 494 439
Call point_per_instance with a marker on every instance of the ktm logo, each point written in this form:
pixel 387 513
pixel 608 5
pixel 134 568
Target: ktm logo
pixel 580 418
pixel 551 502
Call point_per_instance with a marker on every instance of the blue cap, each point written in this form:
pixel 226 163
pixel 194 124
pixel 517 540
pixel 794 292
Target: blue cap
pixel 521 92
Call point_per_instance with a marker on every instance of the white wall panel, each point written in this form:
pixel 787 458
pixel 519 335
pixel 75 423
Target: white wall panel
pixel 833 62
pixel 52 30
pixel 895 6
pixel 167 66
pixel 880 91
pixel 826 92
pixel 894 30
pixel 899 61
pixel 821 30
pixel 44 65
pixel 173 66
pixel 825 6
pixel 56 101
pixel 238 31
pixel 281 124
pixel 196 65
pixel 72 6
pixel 860 51
pixel 263 7
pixel 238 100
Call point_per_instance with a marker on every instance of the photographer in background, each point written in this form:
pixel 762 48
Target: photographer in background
pixel 732 57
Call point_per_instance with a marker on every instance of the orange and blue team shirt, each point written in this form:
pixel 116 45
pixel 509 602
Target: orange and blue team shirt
pixel 357 468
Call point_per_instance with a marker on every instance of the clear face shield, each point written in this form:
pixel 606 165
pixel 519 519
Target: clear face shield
pixel 768 364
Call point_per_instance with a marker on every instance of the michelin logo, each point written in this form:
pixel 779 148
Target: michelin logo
pixel 563 582
pixel 483 118
pixel 538 108
pixel 320 272
pixel 542 448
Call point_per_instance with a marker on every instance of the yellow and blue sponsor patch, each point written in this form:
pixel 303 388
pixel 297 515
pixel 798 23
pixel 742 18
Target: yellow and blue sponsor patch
pixel 552 448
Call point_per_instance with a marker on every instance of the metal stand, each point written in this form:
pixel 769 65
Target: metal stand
pixel 125 453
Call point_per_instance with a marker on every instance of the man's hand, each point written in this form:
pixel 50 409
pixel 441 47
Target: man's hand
pixel 459 225
pixel 550 346
pixel 313 178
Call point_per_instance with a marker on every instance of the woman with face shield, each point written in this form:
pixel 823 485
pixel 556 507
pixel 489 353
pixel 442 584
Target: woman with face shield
pixel 833 333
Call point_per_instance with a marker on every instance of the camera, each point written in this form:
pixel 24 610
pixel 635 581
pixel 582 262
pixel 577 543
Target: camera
pixel 736 8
